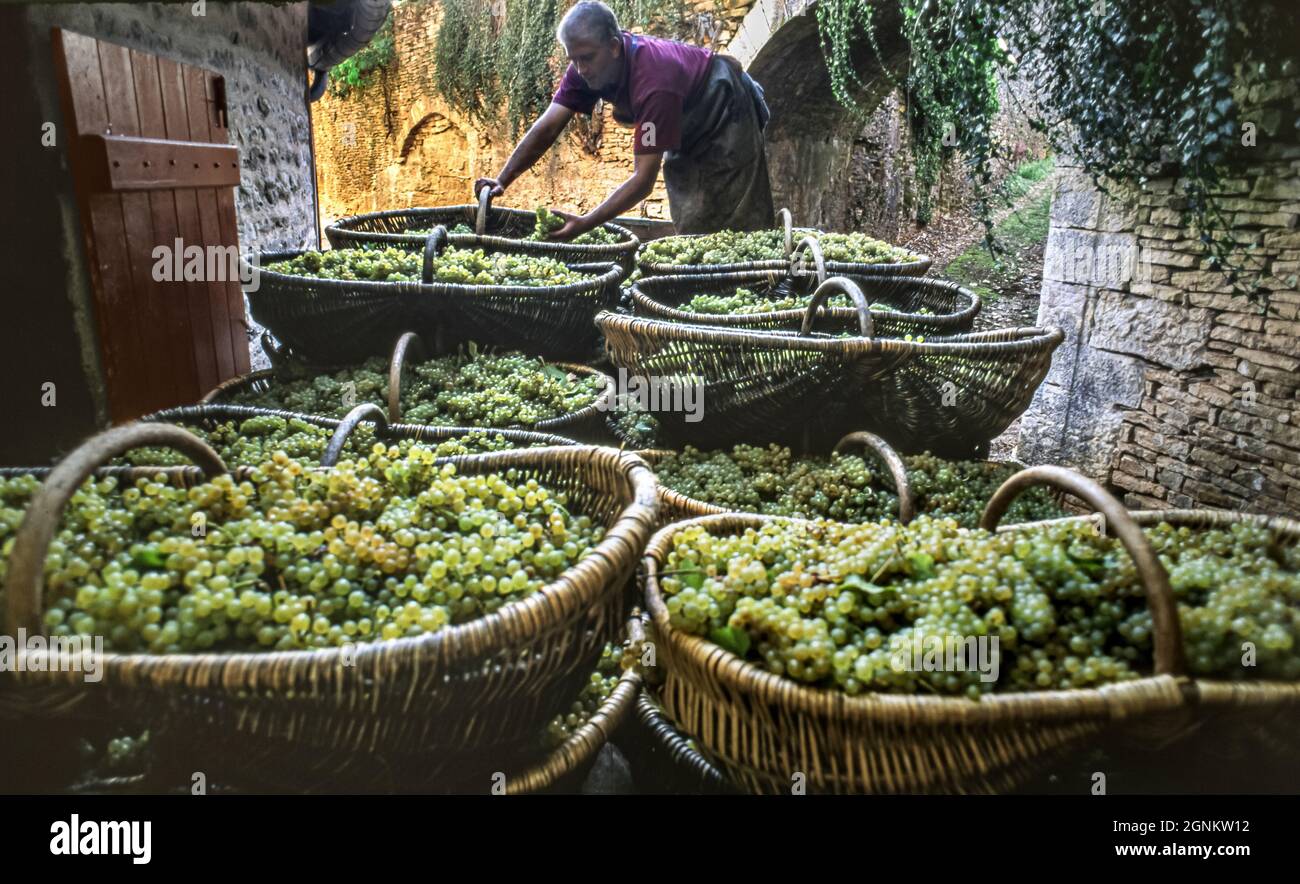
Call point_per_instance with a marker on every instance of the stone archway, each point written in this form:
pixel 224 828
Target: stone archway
pixel 432 163
pixel 826 166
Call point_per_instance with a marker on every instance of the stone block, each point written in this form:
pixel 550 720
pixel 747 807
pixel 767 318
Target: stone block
pixel 1156 331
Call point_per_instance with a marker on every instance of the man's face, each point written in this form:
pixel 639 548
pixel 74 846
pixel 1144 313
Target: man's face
pixel 599 64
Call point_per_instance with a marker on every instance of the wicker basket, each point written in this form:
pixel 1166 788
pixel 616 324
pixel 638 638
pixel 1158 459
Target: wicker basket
pixel 565 762
pixel 949 395
pixel 685 762
pixel 951 308
pixel 335 321
pixel 496 230
pixel 674 506
pixel 404 714
pixel 587 422
pixel 765 731
pixel 778 265
pixel 559 769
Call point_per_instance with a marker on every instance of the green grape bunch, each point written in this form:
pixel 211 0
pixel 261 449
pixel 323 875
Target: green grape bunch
pixel 480 390
pixel 741 247
pixel 452 265
pixel 743 301
pixel 845 487
pixel 600 684
pixel 374 549
pixel 256 439
pixel 828 604
pixel 547 223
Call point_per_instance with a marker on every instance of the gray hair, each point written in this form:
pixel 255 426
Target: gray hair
pixel 589 20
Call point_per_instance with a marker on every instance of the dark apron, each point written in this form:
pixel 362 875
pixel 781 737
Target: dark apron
pixel 718 179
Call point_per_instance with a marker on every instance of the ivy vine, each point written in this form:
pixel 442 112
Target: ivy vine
pixel 359 71
pixel 1132 90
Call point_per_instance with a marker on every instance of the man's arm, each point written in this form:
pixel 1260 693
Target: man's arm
pixel 628 194
pixel 535 143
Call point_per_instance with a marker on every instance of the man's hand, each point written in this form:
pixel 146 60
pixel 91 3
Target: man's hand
pixel 497 187
pixel 574 225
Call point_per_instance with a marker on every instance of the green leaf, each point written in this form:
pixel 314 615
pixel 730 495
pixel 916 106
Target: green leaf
pixel 734 640
pixel 859 583
pixel 147 557
pixel 922 564
pixel 691 575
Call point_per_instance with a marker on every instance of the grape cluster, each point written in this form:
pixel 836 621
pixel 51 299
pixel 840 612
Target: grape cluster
pixel 254 440
pixel 773 482
pixel 453 265
pixel 846 606
pixel 600 684
pixel 293 558
pixel 124 755
pixel 547 222
pixel 373 264
pixel 482 390
pixel 734 247
pixel 743 301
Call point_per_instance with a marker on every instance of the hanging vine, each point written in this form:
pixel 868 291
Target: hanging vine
pixel 1130 89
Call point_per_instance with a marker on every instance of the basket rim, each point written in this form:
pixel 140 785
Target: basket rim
pixel 655 307
pixel 473 639
pixel 715 662
pixel 917 267
pixel 583 744
pixel 229 410
pixel 239 382
pixel 1005 341
pixel 698 507
pixel 595 281
pixel 668 736
pixel 629 241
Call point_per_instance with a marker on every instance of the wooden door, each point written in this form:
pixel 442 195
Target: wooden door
pixel 153 169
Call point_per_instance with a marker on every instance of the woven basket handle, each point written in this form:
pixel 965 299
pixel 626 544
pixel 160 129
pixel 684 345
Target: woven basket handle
pixel 484 203
pixel 366 411
pixel 432 248
pixel 407 342
pixel 848 287
pixel 787 225
pixel 890 458
pixel 26 580
pixel 1167 633
pixel 819 260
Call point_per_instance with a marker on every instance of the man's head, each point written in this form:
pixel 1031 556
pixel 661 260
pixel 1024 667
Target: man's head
pixel 592 39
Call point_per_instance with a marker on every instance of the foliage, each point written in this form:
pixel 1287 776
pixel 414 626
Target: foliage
pixel 359 71
pixel 1131 90
pixel 463 60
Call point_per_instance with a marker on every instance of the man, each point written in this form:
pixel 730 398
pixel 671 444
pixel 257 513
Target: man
pixel 694 111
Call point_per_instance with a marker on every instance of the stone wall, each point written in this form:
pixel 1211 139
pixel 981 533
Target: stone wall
pixel 259 48
pixel 1170 387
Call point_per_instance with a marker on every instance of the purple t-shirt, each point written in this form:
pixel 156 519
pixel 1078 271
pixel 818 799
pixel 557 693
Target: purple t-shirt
pixel 660 78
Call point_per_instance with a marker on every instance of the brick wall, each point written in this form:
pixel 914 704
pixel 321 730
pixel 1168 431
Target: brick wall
pixel 1169 386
